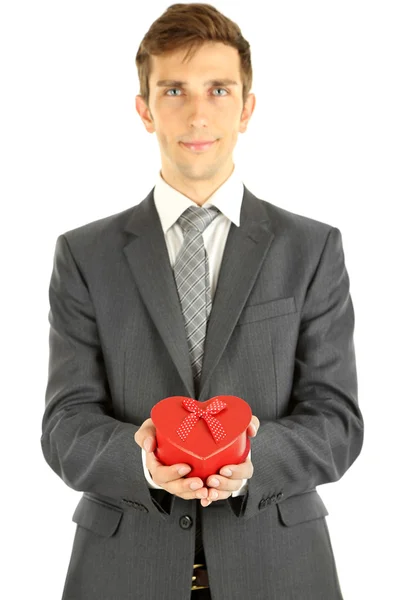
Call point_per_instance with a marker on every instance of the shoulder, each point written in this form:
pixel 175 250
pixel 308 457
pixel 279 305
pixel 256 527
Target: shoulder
pixel 282 219
pixel 300 233
pixel 99 236
pixel 99 228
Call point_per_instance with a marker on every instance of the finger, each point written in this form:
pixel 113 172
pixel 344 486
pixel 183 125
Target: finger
pixel 169 478
pixel 253 427
pixel 182 488
pixel 226 484
pixel 188 494
pixel 220 496
pixel 214 495
pixel 205 502
pixel 146 431
pixel 163 474
pixel 243 470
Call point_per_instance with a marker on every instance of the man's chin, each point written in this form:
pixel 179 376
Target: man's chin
pixel 200 173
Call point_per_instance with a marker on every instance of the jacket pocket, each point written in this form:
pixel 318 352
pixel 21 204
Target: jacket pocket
pixel 99 517
pixel 301 508
pixel 267 310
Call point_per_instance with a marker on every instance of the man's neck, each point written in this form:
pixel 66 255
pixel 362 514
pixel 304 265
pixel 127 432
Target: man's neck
pixel 199 192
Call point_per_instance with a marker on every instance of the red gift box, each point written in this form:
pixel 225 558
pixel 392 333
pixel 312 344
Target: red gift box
pixel 205 435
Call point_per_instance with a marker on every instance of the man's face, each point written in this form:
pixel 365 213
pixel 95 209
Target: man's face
pixel 199 109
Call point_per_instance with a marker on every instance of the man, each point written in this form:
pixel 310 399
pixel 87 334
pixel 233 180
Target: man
pixel 279 335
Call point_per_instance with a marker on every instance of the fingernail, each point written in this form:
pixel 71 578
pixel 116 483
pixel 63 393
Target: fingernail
pixel 195 485
pixel 226 472
pixel 147 444
pixel 201 494
pixel 184 470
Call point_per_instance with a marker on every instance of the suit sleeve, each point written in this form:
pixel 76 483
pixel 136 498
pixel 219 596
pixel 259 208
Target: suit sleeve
pixel 323 433
pixel 81 439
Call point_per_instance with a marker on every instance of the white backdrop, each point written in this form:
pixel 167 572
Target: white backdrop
pixel 323 142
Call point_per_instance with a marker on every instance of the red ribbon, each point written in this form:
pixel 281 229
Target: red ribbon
pixel 197 413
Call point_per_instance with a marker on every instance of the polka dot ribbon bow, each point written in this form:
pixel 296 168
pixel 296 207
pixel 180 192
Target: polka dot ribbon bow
pixel 197 413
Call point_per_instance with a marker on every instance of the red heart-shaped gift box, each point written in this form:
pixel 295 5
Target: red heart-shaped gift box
pixel 205 435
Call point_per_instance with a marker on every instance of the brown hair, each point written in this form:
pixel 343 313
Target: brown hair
pixel 190 26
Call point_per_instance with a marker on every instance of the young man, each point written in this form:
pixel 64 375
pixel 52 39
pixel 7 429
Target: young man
pixel 271 308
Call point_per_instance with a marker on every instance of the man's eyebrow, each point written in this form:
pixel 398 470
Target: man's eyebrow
pixel 176 83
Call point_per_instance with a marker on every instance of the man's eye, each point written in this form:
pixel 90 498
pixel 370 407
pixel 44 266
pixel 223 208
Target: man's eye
pixel 175 89
pixel 170 90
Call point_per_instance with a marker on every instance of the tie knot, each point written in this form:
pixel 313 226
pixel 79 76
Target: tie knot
pixel 197 217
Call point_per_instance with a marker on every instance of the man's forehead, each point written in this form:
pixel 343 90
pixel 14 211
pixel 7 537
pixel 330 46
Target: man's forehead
pixel 212 59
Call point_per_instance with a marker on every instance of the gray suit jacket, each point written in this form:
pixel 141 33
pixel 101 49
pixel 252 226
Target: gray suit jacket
pixel 280 336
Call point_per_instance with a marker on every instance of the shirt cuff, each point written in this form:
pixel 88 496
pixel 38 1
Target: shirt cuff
pixel 241 491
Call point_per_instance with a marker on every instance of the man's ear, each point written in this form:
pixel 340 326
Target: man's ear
pixel 247 111
pixel 144 113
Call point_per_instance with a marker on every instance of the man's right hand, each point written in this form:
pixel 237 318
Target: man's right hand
pixel 168 478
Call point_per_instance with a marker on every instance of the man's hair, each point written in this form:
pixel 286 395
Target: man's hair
pixel 189 26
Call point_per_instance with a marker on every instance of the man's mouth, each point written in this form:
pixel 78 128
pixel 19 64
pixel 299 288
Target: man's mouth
pixel 198 147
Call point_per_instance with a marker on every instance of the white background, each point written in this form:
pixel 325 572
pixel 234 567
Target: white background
pixel 324 141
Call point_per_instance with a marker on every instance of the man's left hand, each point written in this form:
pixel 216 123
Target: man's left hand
pixel 231 483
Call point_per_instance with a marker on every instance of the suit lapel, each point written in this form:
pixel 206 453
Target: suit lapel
pixel 147 255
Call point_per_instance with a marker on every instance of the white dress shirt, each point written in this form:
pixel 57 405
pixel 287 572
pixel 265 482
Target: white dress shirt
pixel 170 204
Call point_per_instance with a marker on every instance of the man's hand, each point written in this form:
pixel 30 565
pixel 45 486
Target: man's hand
pixel 231 476
pixel 170 478
pixel 173 479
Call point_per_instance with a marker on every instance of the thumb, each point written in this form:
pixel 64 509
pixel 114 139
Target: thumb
pixel 253 427
pixel 148 444
pixel 145 436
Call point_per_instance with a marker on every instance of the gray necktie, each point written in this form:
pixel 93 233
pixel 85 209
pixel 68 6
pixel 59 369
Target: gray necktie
pixel 192 277
pixel 191 272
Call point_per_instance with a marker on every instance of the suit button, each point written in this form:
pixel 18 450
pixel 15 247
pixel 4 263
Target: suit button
pixel 279 496
pixel 262 503
pixel 273 498
pixel 186 522
pixel 268 500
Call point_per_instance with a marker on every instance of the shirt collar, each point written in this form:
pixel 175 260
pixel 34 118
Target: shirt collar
pixel 170 203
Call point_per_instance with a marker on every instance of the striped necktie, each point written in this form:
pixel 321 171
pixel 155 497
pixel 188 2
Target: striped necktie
pixel 192 278
pixel 191 272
